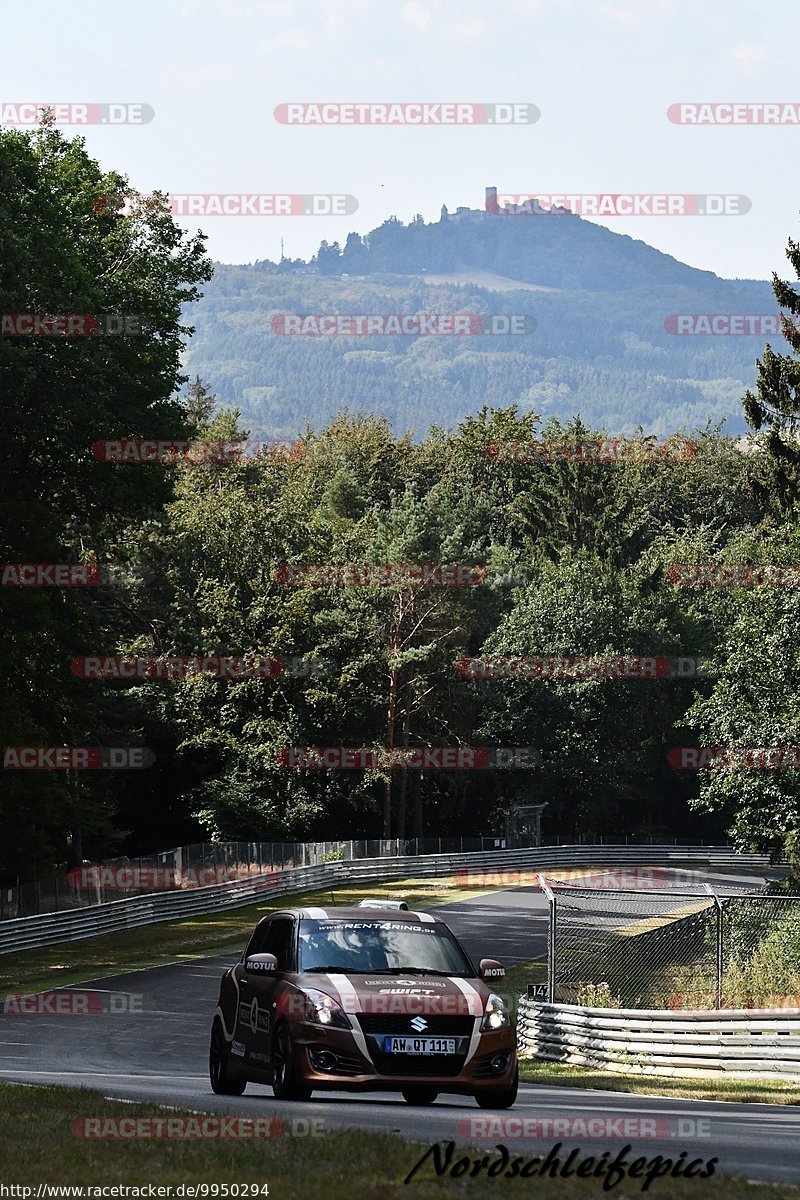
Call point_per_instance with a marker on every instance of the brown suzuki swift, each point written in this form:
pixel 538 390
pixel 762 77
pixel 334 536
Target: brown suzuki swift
pixel 362 999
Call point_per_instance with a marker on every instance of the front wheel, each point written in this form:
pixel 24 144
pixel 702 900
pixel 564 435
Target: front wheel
pixel 286 1083
pixel 499 1097
pixel 221 1081
pixel 419 1095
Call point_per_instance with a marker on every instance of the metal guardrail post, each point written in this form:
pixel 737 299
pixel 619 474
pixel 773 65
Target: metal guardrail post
pixel 551 939
pixel 719 932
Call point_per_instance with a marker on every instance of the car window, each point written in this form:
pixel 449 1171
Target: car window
pixel 257 943
pixel 280 942
pixel 380 946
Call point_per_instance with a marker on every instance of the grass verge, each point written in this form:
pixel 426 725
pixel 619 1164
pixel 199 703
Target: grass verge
pixel 743 1091
pixel 37 1145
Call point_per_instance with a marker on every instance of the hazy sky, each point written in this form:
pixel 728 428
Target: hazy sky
pixel 602 73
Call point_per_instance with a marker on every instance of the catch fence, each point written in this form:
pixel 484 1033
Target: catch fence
pixel 658 944
pixel 209 863
pixel 206 864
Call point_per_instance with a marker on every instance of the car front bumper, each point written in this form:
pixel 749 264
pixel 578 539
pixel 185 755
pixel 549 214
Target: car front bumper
pixel 332 1059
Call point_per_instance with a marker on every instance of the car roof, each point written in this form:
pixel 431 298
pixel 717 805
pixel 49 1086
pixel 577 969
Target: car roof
pixel 340 912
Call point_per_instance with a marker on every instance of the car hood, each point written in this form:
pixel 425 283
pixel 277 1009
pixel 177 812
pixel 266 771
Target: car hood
pixel 423 994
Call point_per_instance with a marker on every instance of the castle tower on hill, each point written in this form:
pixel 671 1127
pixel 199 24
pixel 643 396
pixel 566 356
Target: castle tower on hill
pixel 462 213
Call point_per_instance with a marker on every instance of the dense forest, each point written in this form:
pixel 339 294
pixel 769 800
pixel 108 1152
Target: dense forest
pixel 577 556
pixel 600 341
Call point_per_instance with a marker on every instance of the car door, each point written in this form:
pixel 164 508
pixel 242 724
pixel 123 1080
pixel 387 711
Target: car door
pixel 242 1035
pixel 257 991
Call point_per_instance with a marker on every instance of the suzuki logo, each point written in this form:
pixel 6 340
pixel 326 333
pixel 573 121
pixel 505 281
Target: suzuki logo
pixel 419 1023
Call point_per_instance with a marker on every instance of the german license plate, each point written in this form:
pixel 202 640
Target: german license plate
pixel 419 1045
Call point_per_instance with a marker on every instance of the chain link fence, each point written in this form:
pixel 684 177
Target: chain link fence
pixel 219 862
pixel 676 946
pixel 207 863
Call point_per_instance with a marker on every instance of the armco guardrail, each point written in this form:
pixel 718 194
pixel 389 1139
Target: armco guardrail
pixel 740 1042
pixel 25 933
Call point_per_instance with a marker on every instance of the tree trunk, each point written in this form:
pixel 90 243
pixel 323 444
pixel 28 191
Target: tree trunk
pixel 416 793
pixel 390 720
pixel 401 800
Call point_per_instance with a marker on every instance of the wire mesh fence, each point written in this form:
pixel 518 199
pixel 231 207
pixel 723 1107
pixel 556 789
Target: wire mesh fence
pixel 219 862
pixel 207 863
pixel 673 947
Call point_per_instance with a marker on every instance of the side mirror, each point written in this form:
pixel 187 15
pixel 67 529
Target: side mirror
pixel 490 968
pixel 261 964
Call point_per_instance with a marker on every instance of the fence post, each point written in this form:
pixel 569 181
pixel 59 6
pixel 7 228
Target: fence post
pixel 551 939
pixel 719 923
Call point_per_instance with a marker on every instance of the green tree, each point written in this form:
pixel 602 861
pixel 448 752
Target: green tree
pixel 774 408
pixel 602 741
pixel 198 403
pixel 63 252
pixel 754 702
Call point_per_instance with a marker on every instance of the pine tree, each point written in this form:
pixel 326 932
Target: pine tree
pixel 199 402
pixel 775 409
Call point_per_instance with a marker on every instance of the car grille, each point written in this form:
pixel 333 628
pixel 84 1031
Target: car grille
pixel 377 1025
pixel 437 1025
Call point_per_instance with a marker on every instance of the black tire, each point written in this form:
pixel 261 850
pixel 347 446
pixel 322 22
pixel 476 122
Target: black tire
pixel 499 1097
pixel 419 1095
pixel 286 1084
pixel 218 1060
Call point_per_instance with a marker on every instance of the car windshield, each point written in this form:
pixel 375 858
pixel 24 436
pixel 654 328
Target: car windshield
pixel 380 948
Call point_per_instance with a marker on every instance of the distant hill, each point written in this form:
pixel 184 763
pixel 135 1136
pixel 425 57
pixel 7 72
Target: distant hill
pixel 600 347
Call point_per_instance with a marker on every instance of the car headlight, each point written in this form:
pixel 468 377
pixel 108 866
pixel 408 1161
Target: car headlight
pixel 323 1010
pixel 496 1015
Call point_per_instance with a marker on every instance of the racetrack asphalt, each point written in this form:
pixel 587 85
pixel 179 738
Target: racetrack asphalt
pixel 158 1053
